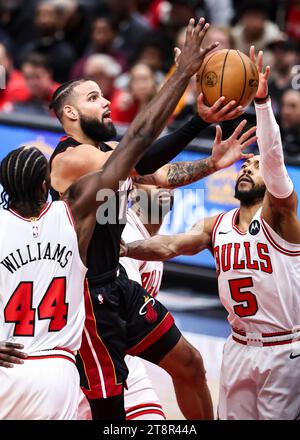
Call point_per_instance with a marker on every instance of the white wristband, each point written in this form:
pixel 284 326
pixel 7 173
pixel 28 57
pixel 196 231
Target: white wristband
pixel 272 164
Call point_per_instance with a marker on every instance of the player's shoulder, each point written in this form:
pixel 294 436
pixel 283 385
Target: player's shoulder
pixel 64 143
pixel 112 144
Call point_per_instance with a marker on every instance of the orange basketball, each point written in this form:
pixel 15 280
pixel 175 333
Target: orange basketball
pixel 228 73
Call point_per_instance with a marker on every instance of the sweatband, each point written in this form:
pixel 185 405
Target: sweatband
pixel 272 165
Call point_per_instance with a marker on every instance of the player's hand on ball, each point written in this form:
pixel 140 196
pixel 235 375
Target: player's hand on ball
pixel 218 113
pixel 227 152
pixel 192 55
pixel 262 90
pixel 10 354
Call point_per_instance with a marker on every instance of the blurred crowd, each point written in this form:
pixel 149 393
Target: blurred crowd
pixel 127 47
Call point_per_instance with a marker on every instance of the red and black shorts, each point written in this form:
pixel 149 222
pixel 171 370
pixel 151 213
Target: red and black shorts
pixel 121 318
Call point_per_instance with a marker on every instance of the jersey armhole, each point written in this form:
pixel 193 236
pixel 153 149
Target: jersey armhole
pixel 279 245
pixel 69 214
pixel 214 230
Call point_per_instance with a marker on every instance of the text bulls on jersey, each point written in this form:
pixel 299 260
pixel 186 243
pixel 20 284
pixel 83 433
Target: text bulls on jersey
pixel 246 255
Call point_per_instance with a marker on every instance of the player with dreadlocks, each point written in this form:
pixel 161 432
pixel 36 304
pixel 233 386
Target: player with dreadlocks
pixel 42 256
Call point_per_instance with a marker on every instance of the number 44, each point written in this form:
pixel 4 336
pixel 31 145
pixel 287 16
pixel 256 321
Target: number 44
pixel 53 306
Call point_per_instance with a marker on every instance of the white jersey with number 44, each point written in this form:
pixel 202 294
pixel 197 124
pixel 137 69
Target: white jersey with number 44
pixel 41 280
pixel 258 275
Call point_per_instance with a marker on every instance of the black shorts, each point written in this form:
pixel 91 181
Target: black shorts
pixel 121 318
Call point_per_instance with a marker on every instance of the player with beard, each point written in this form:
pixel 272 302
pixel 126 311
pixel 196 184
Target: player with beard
pixel 114 323
pixel 257 252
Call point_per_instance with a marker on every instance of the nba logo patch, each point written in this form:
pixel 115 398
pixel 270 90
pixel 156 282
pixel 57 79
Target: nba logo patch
pixel 35 231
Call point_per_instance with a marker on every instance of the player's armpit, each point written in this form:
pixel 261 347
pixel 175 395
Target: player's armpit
pixel 281 215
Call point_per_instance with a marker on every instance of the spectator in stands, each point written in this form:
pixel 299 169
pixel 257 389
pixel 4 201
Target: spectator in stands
pixel 102 38
pixel 255 28
pixel 16 22
pixel 290 122
pixel 50 39
pixel 217 12
pixel 102 69
pixel 15 84
pixel 39 80
pixel 293 19
pixel 152 52
pixel 285 57
pixel 220 34
pixel 142 88
pixel 130 26
pixel 77 24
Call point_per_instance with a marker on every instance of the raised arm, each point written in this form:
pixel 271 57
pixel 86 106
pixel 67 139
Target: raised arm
pixel 224 154
pixel 164 247
pixel 166 148
pixel 145 127
pixel 280 202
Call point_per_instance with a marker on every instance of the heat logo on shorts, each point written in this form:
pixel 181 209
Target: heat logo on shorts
pixel 100 299
pixel 147 310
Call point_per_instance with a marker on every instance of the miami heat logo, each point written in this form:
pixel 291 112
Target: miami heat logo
pixel 211 79
pixel 147 310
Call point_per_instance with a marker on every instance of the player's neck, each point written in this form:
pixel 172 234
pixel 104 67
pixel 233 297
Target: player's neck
pixel 27 210
pixel 246 215
pixel 77 134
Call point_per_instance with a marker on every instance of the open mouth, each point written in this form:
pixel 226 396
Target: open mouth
pixel 245 179
pixel 106 117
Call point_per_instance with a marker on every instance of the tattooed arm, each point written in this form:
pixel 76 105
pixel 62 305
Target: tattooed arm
pixel 224 154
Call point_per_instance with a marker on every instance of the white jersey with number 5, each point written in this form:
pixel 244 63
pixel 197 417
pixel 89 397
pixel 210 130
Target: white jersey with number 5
pixel 258 275
pixel 41 280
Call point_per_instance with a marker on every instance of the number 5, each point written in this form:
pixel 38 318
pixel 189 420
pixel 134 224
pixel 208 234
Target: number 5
pixel 251 307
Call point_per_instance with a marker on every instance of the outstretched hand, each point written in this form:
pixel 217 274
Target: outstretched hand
pixel 218 113
pixel 227 152
pixel 192 55
pixel 262 90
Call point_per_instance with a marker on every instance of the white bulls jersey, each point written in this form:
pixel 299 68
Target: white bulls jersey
pixel 258 275
pixel 146 273
pixel 141 401
pixel 41 280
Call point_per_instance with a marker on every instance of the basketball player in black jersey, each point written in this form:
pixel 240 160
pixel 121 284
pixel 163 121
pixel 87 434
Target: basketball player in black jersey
pixel 25 178
pixel 120 317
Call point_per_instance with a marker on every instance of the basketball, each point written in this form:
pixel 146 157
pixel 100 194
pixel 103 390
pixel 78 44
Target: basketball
pixel 228 73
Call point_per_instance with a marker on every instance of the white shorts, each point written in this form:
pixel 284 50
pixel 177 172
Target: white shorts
pixel 141 401
pixel 260 383
pixel 40 389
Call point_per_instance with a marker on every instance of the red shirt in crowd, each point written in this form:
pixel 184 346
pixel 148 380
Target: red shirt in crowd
pixel 16 89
